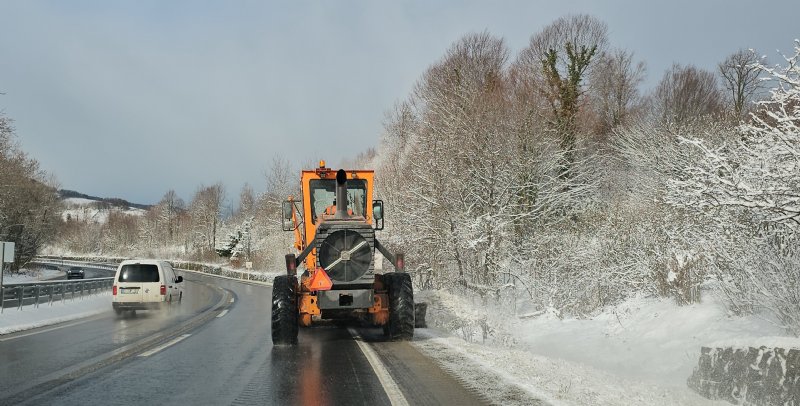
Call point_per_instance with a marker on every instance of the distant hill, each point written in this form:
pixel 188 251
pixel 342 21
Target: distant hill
pixel 112 201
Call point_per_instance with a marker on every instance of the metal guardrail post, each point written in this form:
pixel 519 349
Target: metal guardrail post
pixel 38 290
pixel 20 291
pixel 50 288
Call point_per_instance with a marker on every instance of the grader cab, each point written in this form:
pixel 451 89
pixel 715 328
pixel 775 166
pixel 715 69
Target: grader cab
pixel 334 223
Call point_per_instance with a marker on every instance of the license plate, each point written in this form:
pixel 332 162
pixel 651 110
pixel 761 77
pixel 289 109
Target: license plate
pixel 129 291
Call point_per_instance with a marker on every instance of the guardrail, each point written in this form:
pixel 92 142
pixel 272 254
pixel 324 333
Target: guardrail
pixel 32 293
pixel 66 262
pixel 96 262
pixel 220 271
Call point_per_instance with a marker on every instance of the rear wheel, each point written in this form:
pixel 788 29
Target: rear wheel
pixel 401 306
pixel 284 310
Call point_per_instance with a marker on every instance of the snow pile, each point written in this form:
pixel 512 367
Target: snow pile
pixel 639 352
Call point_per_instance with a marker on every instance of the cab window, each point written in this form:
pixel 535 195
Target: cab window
pixel 323 193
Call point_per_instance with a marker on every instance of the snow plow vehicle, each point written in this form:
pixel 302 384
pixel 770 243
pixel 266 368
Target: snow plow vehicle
pixel 334 224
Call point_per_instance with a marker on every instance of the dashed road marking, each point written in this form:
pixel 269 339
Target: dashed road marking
pixel 222 313
pixel 232 300
pixel 165 345
pixel 393 391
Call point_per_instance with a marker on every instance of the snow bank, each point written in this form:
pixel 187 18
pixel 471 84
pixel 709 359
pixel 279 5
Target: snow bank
pixel 13 320
pixel 26 275
pixel 639 352
pixel 646 339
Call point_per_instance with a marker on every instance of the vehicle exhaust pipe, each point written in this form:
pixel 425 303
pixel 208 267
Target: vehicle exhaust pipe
pixel 341 195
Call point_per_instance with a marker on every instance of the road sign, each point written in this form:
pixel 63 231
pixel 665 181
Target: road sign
pixel 6 256
pixel 248 265
pixel 8 252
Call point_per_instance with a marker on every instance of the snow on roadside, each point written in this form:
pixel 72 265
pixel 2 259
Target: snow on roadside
pixel 508 376
pixel 31 276
pixel 639 352
pixel 13 320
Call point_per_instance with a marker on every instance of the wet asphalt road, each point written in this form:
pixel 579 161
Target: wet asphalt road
pixel 228 360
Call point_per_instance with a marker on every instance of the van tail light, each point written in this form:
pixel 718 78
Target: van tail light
pixel 114 290
pixel 163 290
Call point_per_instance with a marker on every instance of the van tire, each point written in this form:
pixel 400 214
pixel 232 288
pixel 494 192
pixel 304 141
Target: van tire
pixel 401 306
pixel 284 310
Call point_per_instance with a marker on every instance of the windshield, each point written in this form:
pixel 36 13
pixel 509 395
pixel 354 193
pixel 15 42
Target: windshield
pixel 139 273
pixel 323 195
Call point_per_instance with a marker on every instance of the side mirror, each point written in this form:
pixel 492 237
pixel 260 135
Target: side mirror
pixel 287 210
pixel 286 216
pixel 377 214
pixel 179 280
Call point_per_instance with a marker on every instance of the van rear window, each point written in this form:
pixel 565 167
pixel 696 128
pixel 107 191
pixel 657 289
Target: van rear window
pixel 138 273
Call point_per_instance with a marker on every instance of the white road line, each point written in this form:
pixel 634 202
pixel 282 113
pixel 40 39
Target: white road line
pixel 165 345
pixel 232 300
pixel 393 391
pixel 222 313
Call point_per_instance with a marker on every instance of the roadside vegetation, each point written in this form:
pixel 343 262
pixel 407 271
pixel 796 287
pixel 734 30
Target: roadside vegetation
pixel 548 181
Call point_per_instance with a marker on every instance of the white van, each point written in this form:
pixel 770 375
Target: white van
pixel 145 284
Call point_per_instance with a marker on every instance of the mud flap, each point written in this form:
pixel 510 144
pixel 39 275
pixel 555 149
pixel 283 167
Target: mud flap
pixel 420 309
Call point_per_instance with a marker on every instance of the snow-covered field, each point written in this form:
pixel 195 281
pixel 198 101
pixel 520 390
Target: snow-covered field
pixel 640 352
pixel 88 210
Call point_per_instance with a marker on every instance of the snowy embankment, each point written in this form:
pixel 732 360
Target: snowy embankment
pixel 31 276
pixel 639 352
pixel 29 317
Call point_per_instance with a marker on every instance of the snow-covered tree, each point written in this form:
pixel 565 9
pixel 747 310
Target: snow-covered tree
pixel 750 185
pixel 757 173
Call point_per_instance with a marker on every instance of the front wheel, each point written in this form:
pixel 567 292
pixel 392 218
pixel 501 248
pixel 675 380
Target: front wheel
pixel 401 306
pixel 284 310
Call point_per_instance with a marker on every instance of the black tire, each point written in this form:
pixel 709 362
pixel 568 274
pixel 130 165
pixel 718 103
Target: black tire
pixel 284 310
pixel 401 306
pixel 118 312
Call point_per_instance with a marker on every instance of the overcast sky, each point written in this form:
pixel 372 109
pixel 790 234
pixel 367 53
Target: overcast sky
pixel 131 99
